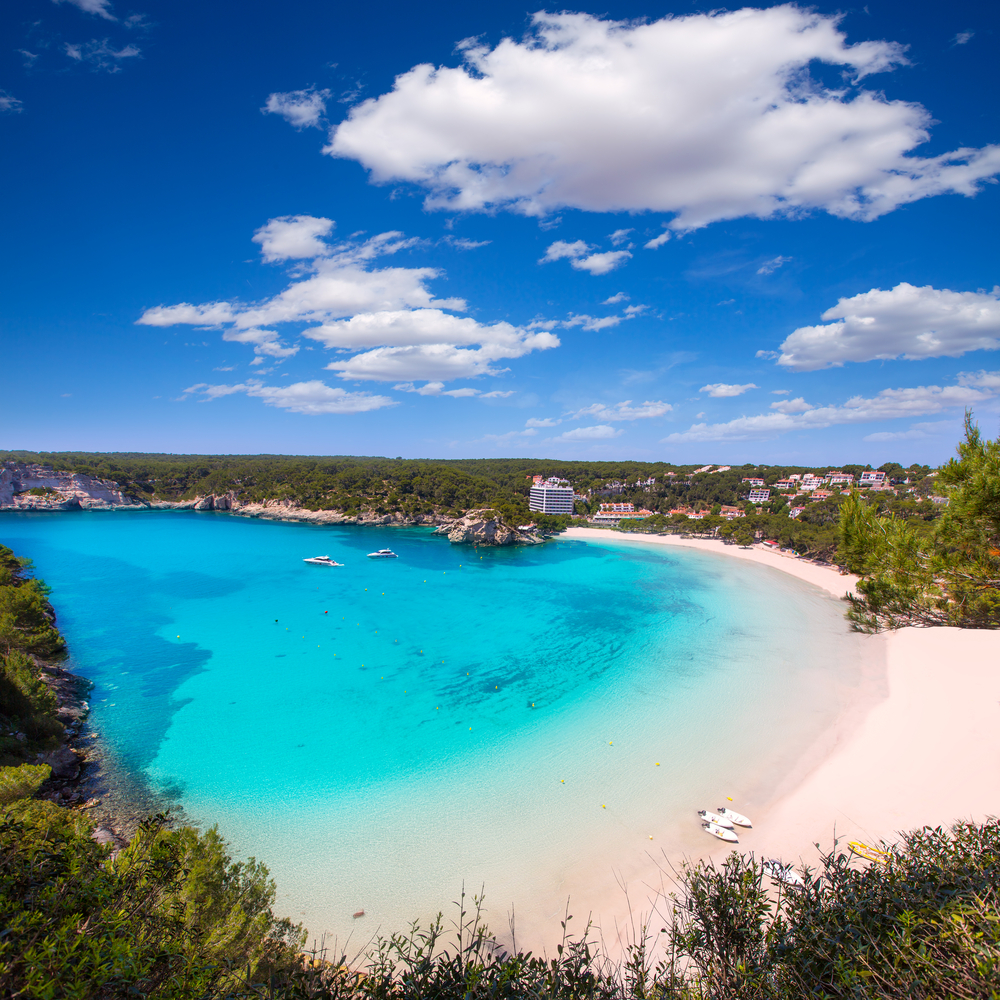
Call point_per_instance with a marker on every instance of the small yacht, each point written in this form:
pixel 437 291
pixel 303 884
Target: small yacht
pixel 383 554
pixel 323 561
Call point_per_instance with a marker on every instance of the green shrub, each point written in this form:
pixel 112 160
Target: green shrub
pixel 22 782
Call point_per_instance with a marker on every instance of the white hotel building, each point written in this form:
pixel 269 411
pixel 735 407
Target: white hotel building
pixel 553 496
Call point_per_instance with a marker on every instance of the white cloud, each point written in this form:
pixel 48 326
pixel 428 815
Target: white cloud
pixel 632 311
pixel 312 398
pixel 547 422
pixel 903 322
pixel 101 55
pixel 962 37
pixel 615 299
pixel 770 266
pixel 99 7
pixel 561 249
pixel 798 405
pixel 388 314
pixel 619 236
pixel 720 389
pixel 781 392
pixel 300 108
pixel 293 237
pixel 509 436
pixel 579 256
pixel 341 284
pixel 602 263
pixel 600 432
pixel 461 243
pixel 657 241
pixel 709 116
pixel 438 389
pixel 498 394
pixel 591 322
pixel 10 104
pixel 918 432
pixel 624 410
pixel 889 404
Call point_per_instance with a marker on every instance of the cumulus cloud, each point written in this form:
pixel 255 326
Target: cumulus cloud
pixel 889 404
pixel 917 432
pixel 657 241
pixel 387 314
pixel 707 116
pixel 547 422
pixel 770 266
pixel 300 108
pixel 312 398
pixel 615 299
pixel 10 104
pixel 903 322
pixel 599 432
pixel 293 237
pixel 579 256
pixel 591 322
pixel 798 405
pixel 619 236
pixel 438 389
pixel 99 7
pixel 101 55
pixel 624 410
pixel 720 389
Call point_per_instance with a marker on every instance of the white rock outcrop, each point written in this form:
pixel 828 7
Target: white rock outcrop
pixel 485 527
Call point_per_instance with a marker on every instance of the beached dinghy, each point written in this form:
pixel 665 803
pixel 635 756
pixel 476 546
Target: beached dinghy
pixel 721 832
pixel 738 818
pixel 783 873
pixel 323 561
pixel 710 817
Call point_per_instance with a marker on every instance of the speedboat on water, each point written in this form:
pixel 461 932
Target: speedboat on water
pixel 710 817
pixel 383 554
pixel 721 832
pixel 734 817
pixel 323 561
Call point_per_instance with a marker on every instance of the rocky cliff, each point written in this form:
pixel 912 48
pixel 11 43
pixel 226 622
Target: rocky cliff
pixel 60 490
pixel 485 527
pixel 56 490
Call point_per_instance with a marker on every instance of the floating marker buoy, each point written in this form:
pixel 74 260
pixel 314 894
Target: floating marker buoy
pixel 325 613
pixel 611 743
pixel 562 781
pixel 657 763
pixel 178 637
pixel 604 807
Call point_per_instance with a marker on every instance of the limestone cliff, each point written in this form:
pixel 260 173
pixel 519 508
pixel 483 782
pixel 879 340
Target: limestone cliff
pixel 62 490
pixel 484 527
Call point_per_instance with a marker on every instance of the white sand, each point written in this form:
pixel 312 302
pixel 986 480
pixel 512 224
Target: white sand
pixel 927 753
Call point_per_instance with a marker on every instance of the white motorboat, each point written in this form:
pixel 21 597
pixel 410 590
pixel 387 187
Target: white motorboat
pixel 783 873
pixel 323 561
pixel 710 817
pixel 738 818
pixel 721 832
pixel 383 554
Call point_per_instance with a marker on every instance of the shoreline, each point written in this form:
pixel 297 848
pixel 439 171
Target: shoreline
pixel 923 751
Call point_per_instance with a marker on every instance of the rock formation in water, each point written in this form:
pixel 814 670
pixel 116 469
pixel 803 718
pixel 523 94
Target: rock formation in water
pixel 485 527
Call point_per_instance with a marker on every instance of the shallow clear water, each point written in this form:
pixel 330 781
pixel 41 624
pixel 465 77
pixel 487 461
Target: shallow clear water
pixel 381 733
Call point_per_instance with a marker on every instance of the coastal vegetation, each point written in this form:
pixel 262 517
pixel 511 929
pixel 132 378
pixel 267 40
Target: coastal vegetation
pixel 944 573
pixel 172 916
pixel 28 707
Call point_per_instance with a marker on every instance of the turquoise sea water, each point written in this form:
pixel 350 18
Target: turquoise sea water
pixel 381 733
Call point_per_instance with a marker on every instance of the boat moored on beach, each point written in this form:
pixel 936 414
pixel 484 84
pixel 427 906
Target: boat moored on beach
pixel 383 554
pixel 721 832
pixel 734 817
pixel 711 817
pixel 322 561
pixel 783 873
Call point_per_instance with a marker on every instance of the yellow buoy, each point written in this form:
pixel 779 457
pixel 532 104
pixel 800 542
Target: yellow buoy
pixel 604 807
pixel 657 763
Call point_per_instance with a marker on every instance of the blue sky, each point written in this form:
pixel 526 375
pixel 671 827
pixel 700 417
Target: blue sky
pixel 625 231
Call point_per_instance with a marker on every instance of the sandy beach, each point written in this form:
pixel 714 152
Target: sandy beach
pixel 924 751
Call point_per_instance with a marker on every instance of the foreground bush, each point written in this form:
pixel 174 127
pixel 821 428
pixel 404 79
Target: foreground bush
pixel 172 916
